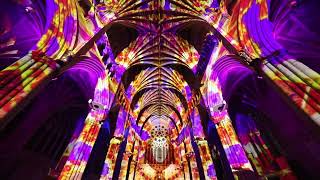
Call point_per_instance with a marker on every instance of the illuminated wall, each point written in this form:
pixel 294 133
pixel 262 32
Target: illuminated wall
pixel 160 90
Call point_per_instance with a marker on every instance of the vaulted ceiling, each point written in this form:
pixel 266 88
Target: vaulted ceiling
pixel 161 62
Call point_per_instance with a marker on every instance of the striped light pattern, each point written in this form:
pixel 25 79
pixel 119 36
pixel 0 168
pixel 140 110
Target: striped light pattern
pixel 212 95
pixel 251 31
pixel 78 158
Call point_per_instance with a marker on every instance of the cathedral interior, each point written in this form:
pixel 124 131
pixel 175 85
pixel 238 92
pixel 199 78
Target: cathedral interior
pixel 159 89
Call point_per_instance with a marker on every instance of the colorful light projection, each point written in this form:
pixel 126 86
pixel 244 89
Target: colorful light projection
pixel 199 138
pixel 64 158
pixel 190 155
pixel 262 153
pixel 111 157
pixel 206 159
pixel 160 149
pixel 119 136
pixel 79 156
pixel 299 82
pixel 212 95
pixel 145 50
pixel 148 80
pixel 250 31
pixel 163 129
pixel 172 172
pixel 104 94
pixel 159 144
pixel 21 78
pixel 149 99
pixel 127 153
pixel 234 151
pixel 139 147
pixel 27 74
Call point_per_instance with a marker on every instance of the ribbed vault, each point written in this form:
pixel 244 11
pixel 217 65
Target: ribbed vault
pixel 166 62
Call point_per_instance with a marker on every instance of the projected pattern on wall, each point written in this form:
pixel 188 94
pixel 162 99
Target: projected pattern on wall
pixel 159 82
